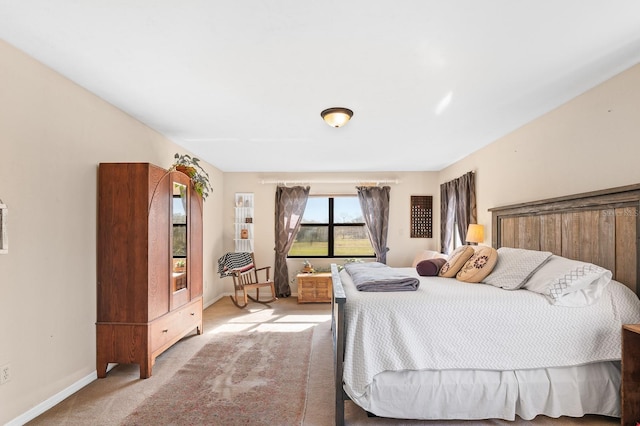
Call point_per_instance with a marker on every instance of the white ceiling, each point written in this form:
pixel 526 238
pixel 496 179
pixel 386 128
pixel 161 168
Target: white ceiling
pixel 242 83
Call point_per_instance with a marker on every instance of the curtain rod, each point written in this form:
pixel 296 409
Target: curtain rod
pixel 286 182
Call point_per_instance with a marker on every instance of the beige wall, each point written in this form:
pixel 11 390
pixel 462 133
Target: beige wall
pixel 589 143
pixel 53 134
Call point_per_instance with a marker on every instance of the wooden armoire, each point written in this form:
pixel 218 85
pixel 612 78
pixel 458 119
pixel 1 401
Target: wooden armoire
pixel 149 265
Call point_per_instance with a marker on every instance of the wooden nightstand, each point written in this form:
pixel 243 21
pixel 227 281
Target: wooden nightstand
pixel 630 374
pixel 314 287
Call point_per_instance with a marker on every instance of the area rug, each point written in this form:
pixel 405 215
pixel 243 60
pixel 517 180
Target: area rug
pixel 257 378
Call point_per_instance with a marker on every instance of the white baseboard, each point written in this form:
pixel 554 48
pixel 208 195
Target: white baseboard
pixel 55 399
pixel 65 393
pixel 211 302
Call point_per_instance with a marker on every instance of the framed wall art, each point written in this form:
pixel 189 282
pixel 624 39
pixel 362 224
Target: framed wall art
pixel 421 216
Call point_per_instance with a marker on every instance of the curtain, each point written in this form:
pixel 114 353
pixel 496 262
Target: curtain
pixel 290 205
pixel 457 205
pixel 374 202
pixel 447 215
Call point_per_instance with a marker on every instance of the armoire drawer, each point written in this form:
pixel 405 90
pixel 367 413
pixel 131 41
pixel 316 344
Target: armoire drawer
pixel 172 326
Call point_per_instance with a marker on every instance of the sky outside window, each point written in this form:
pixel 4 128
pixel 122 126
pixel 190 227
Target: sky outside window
pixel 346 210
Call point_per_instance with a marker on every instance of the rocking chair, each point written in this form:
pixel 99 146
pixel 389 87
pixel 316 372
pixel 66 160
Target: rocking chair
pixel 246 278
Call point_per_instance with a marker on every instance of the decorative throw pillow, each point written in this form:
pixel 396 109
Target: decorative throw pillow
pixel 567 282
pixel 456 261
pixel 479 265
pixel 425 255
pixel 515 266
pixel 430 267
pixel 244 268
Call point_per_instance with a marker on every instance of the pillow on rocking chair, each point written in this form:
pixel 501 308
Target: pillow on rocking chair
pixel 244 268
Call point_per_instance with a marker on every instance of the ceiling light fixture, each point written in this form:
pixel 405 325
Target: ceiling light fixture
pixel 336 117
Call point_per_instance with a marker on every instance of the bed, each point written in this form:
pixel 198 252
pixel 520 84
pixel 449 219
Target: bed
pixel 477 351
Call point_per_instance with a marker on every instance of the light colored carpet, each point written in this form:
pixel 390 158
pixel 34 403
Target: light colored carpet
pixel 111 400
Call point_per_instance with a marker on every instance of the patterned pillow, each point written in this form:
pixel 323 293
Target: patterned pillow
pixel 515 266
pixel 430 267
pixel 456 261
pixel 479 265
pixel 567 282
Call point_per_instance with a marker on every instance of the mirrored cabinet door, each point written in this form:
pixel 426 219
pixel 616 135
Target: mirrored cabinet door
pixel 179 241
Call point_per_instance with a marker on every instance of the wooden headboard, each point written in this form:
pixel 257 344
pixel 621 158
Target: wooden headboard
pixel 598 227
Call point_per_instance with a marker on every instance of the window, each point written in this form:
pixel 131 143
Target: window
pixel 452 225
pixel 456 241
pixel 332 227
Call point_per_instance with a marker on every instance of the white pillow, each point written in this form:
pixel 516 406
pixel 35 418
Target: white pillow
pixel 515 266
pixel 567 282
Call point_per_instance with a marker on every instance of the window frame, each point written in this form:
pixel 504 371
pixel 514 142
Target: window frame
pixel 331 225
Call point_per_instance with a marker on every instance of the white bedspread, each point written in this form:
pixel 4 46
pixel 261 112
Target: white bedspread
pixel 448 324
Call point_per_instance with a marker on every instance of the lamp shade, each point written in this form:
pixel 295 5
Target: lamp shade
pixel 336 117
pixel 475 233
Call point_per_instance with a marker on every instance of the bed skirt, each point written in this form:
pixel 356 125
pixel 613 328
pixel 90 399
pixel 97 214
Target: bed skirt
pixel 474 395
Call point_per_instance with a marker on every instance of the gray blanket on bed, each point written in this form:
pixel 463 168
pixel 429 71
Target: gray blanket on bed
pixel 375 276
